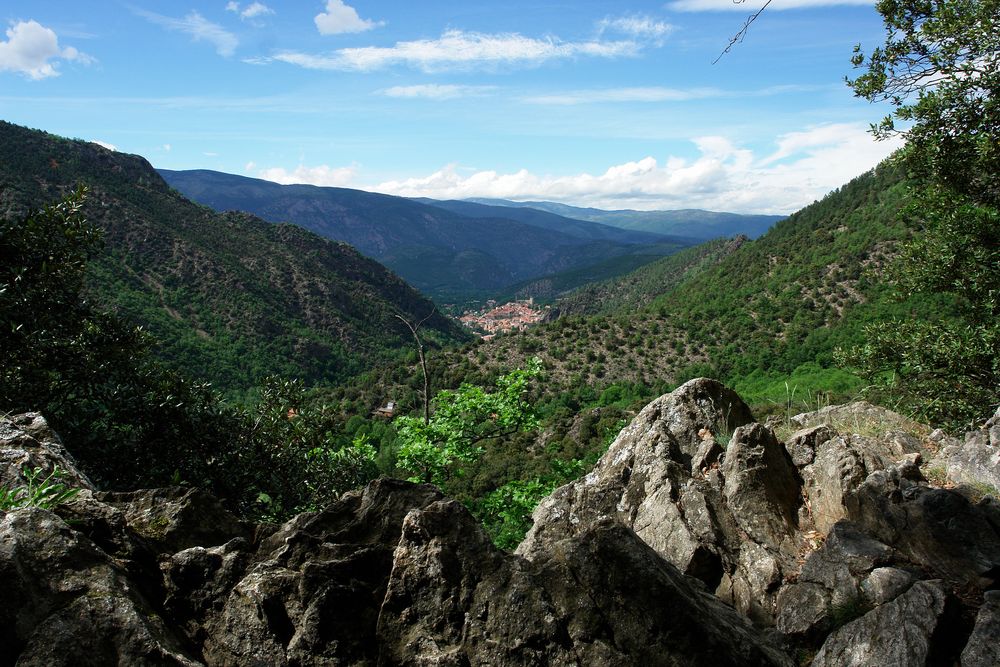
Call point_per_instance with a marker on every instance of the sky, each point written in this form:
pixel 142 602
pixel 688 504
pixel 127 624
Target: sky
pixel 605 104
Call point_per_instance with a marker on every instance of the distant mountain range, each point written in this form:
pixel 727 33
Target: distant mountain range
pixel 689 223
pixel 444 253
pixel 231 298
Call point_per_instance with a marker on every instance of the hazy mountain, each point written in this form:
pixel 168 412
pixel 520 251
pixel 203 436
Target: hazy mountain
pixel 690 223
pixel 231 297
pixel 441 252
pixel 584 229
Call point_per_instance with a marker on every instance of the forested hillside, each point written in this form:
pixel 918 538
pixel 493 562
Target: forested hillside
pixel 755 313
pixel 229 298
pixel 638 289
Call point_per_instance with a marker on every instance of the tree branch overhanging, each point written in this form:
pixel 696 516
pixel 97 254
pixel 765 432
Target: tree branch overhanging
pixel 741 35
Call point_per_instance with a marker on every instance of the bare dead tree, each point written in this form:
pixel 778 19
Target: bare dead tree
pixel 414 328
pixel 741 35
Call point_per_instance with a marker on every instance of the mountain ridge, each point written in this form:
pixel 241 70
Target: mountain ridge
pixel 438 251
pixel 231 297
pixel 689 223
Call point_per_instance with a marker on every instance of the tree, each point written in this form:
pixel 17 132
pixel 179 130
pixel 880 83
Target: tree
pixel 463 419
pixel 414 329
pixel 940 68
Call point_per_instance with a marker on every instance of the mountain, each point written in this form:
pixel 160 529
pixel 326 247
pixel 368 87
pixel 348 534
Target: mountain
pixel 688 223
pixel 443 253
pixel 230 297
pixel 584 229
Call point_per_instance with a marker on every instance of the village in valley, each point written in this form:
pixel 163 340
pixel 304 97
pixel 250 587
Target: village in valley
pixel 511 316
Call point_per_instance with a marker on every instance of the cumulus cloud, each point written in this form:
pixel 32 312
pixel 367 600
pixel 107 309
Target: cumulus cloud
pixel 458 49
pixel 104 144
pixel 435 91
pixel 725 176
pixel 324 175
pixel 729 5
pixel 340 18
pixel 251 11
pixel 198 27
pixel 31 48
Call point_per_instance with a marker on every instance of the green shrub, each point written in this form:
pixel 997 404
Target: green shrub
pixel 47 493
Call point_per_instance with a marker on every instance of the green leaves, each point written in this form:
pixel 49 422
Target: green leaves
pixel 46 492
pixel 940 68
pixel 947 367
pixel 462 419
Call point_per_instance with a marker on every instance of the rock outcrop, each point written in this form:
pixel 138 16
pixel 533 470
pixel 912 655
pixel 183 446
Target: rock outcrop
pixel 393 574
pixel 976 461
pixel 699 538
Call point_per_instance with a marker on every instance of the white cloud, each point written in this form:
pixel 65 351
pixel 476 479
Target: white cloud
pixel 167 147
pixel 724 176
pixel 104 144
pixel 750 7
pixel 661 94
pixel 30 48
pixel 340 18
pixel 255 9
pixel 324 175
pixel 435 91
pixel 638 94
pixel 637 26
pixel 251 11
pixel 198 27
pixel 460 49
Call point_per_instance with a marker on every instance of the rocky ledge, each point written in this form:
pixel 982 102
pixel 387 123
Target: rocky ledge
pixel 700 538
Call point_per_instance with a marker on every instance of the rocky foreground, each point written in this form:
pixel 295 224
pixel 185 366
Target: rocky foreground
pixel 698 539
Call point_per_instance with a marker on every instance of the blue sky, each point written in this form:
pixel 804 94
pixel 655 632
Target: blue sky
pixel 608 104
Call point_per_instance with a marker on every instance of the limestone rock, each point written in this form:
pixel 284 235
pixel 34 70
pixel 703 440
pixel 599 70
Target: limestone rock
pixel 763 489
pixel 26 441
pixel 983 649
pixel 175 518
pixel 643 476
pixel 802 444
pixel 316 585
pixel 885 584
pixel 840 464
pixel 977 459
pixel 896 633
pixel 937 529
pixel 66 602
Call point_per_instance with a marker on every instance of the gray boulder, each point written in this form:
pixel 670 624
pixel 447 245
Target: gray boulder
pixel 898 633
pixel 67 602
pixel 983 647
pixel 939 530
pixel 645 481
pixel 762 489
pixel 977 460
